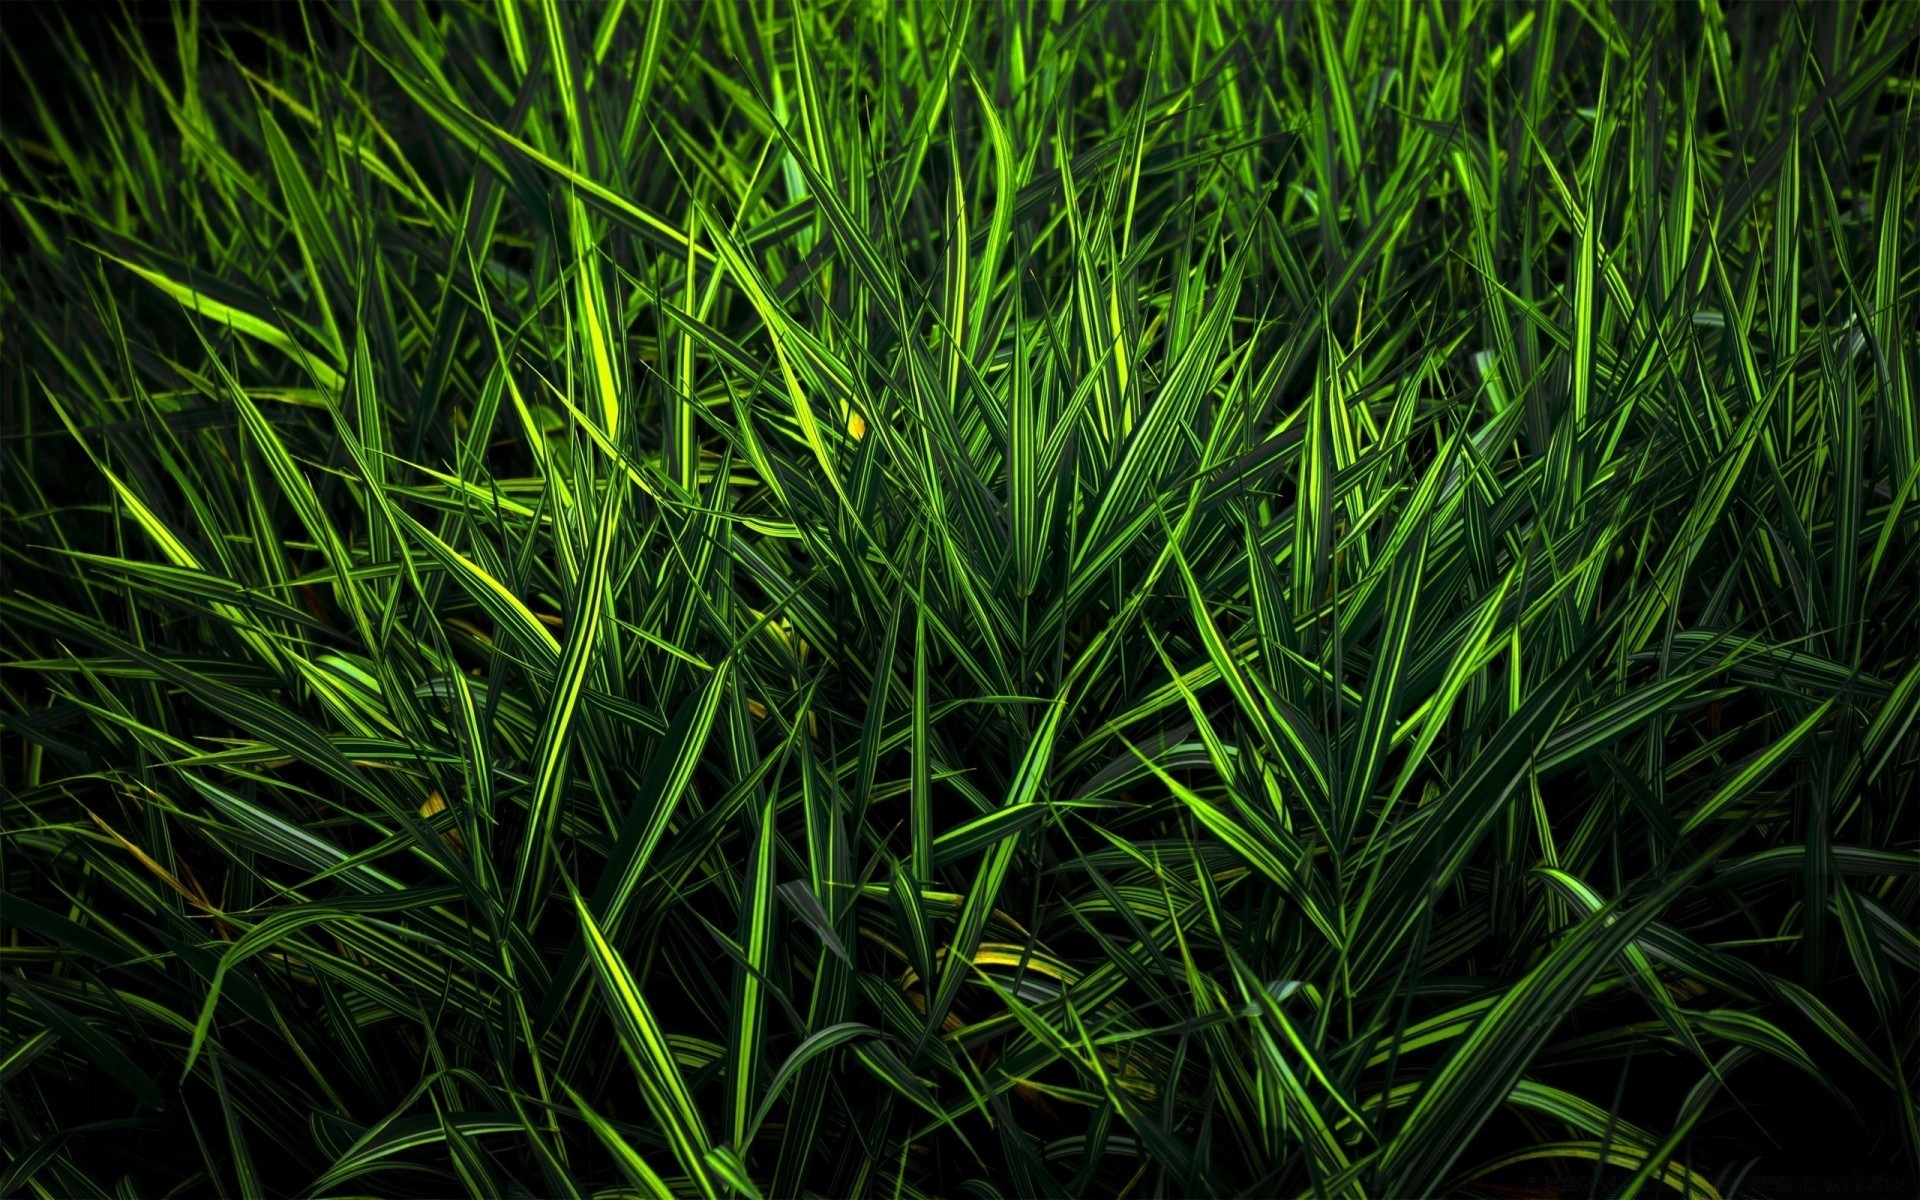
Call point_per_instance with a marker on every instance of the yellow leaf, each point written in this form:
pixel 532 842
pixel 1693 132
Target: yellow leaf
pixel 434 805
pixel 165 876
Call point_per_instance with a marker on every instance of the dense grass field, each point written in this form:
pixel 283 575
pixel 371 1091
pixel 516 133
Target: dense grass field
pixel 897 599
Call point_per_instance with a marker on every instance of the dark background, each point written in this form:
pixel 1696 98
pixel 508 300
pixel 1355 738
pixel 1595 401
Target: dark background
pixel 99 26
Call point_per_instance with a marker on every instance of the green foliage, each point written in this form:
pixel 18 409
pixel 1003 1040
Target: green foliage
pixel 1042 599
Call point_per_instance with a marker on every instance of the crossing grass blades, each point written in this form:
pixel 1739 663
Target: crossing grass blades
pixel 1044 599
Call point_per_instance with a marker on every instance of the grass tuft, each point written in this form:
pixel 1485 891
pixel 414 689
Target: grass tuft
pixel 841 599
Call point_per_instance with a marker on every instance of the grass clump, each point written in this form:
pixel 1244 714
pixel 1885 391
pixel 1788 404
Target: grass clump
pixel 999 600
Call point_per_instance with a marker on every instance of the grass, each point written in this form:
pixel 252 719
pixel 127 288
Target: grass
pixel 1003 600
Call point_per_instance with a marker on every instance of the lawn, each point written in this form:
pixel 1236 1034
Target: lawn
pixel 1038 599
